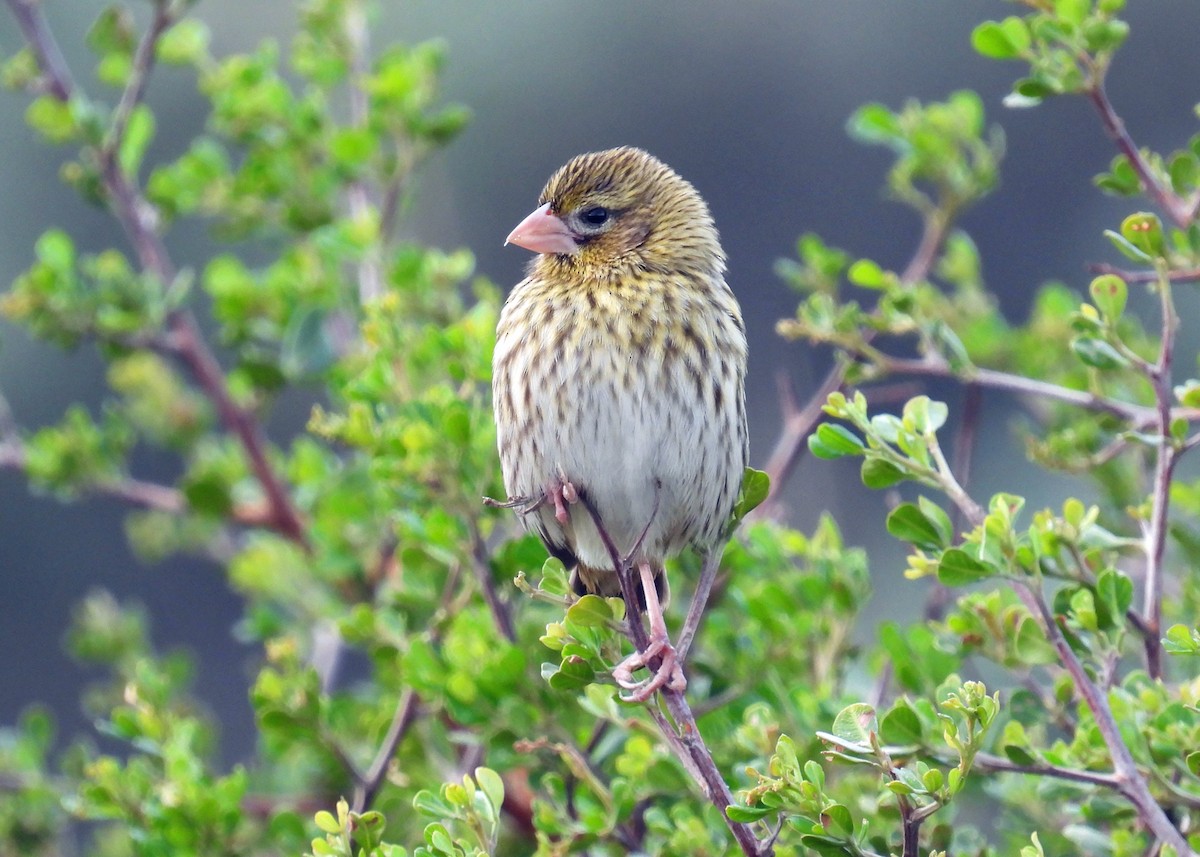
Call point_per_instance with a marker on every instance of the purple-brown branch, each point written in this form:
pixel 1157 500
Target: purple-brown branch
pixel 1181 211
pixel 139 221
pixel 1129 780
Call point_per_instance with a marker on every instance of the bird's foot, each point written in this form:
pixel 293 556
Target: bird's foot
pixel 669 673
pixel 520 505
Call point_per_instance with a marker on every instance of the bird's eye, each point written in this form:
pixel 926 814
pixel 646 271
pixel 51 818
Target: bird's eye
pixel 595 216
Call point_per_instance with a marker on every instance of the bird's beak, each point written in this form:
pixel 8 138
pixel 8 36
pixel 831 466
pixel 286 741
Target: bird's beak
pixel 543 232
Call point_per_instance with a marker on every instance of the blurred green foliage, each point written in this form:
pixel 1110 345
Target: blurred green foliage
pixel 486 721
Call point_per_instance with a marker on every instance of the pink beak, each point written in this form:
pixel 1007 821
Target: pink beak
pixel 543 232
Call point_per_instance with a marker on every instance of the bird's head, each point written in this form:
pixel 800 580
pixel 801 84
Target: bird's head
pixel 616 211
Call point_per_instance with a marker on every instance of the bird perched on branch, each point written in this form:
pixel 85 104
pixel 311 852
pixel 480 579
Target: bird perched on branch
pixel 618 384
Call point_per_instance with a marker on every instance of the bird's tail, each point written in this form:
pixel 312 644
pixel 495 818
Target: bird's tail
pixel 604 582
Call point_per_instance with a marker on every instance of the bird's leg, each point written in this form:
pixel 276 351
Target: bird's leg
pixel 669 672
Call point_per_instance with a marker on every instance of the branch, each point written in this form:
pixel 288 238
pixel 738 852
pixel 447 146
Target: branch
pixel 799 423
pixel 139 76
pixel 683 735
pixel 995 379
pixel 1075 775
pixel 1181 211
pixel 1165 457
pixel 33 27
pixel 481 565
pixel 371 781
pixel 1188 275
pixel 186 344
pixel 139 220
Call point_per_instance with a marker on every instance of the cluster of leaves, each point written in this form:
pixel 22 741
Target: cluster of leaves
pixel 483 718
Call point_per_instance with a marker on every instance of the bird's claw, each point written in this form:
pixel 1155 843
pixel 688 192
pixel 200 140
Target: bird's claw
pixel 520 505
pixel 669 673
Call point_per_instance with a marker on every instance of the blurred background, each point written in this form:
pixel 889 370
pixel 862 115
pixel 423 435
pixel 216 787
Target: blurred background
pixel 746 100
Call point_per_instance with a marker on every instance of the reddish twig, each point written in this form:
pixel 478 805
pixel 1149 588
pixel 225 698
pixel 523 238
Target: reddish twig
pixel 1182 212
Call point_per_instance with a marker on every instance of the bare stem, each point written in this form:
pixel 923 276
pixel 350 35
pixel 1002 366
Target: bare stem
pixel 369 783
pixel 1189 275
pixel 1107 780
pixel 50 59
pixel 487 585
pixel 1166 456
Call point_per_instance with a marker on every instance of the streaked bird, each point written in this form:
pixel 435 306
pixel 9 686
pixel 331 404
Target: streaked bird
pixel 618 384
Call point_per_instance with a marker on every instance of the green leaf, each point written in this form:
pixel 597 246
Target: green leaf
pixel 1097 353
pixel 867 274
pixel 880 473
pixel 874 123
pixel 748 814
pixel 832 440
pixel 139 131
pixel 901 725
pixel 574 673
pixel 1109 292
pixel 186 43
pixel 1182 640
pixel 1144 231
pixel 838 821
pixel 1018 755
pixel 856 723
pixel 590 611
pixel 959 568
pixel 756 485
pixel 909 524
pixel 1001 40
pixel 1114 596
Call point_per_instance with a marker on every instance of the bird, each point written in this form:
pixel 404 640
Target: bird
pixel 619 384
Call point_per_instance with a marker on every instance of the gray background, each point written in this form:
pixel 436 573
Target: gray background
pixel 746 99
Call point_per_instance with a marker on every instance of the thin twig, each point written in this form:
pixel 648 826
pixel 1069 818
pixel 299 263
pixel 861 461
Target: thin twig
pixel 799 423
pixel 1189 275
pixel 1107 780
pixel 139 77
pixel 709 568
pixel 1165 458
pixel 1181 211
pixel 371 780
pixel 482 568
pixel 187 344
pixel 50 59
